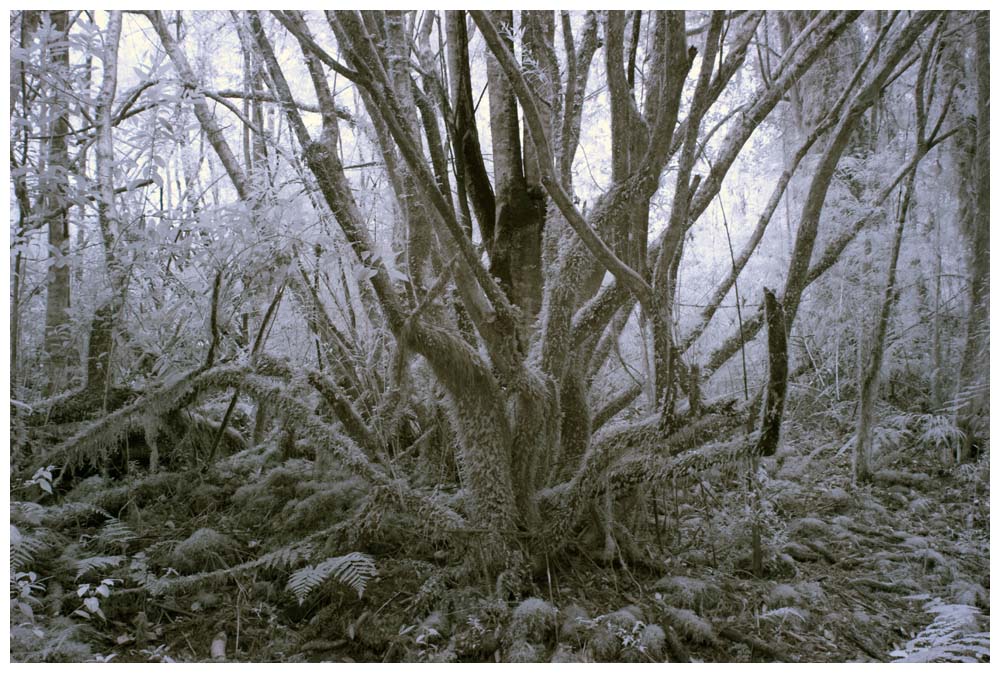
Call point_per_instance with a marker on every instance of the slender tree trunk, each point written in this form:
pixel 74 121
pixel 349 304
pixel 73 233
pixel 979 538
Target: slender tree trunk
pixel 871 372
pixel 256 160
pixel 19 92
pixel 936 363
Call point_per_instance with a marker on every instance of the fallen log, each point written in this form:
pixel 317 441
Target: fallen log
pixel 775 653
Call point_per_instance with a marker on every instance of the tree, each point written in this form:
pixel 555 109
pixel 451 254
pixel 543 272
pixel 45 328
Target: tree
pixel 974 377
pixel 55 203
pixel 486 327
pixel 100 346
pixel 871 373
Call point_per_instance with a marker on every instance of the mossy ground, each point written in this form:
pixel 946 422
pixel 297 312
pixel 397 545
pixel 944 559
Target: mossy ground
pixel 840 563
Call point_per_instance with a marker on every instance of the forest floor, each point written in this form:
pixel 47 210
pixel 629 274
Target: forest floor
pixel 896 569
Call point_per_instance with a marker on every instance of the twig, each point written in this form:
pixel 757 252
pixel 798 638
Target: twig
pixel 258 342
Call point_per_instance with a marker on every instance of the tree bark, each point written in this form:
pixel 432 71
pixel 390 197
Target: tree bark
pixel 515 247
pixel 974 378
pixel 55 207
pixel 101 334
pixel 777 354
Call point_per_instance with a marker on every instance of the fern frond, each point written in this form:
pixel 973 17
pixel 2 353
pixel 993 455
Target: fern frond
pixel 939 430
pixel 70 513
pixel 287 556
pixel 115 533
pixel 651 467
pixel 84 566
pixel 27 512
pixel 955 635
pixel 281 557
pixel 24 547
pixel 354 570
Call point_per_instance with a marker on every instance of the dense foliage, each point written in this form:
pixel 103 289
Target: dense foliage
pixel 417 335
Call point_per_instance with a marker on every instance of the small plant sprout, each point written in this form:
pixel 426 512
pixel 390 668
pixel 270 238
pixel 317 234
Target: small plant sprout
pixel 42 478
pixel 23 589
pixel 92 595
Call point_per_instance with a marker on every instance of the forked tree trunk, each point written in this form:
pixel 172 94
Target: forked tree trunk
pixel 529 460
pixel 515 247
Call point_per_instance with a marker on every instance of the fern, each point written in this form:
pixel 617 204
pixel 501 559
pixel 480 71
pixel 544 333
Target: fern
pixel 649 467
pixel 62 640
pixel 27 512
pixel 115 533
pixel 354 570
pixel 953 636
pixel 965 396
pixel 84 566
pixel 888 436
pixel 280 558
pixel 24 547
pixel 939 430
pixel 287 556
pixel 72 513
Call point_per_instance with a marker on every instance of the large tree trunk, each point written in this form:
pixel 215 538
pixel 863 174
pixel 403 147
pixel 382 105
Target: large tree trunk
pixel 516 246
pixel 975 372
pixel 55 206
pixel 99 349
pixel 475 398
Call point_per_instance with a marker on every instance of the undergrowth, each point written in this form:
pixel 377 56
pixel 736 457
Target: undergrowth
pixel 296 559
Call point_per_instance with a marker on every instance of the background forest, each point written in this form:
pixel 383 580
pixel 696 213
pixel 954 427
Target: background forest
pixel 499 336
